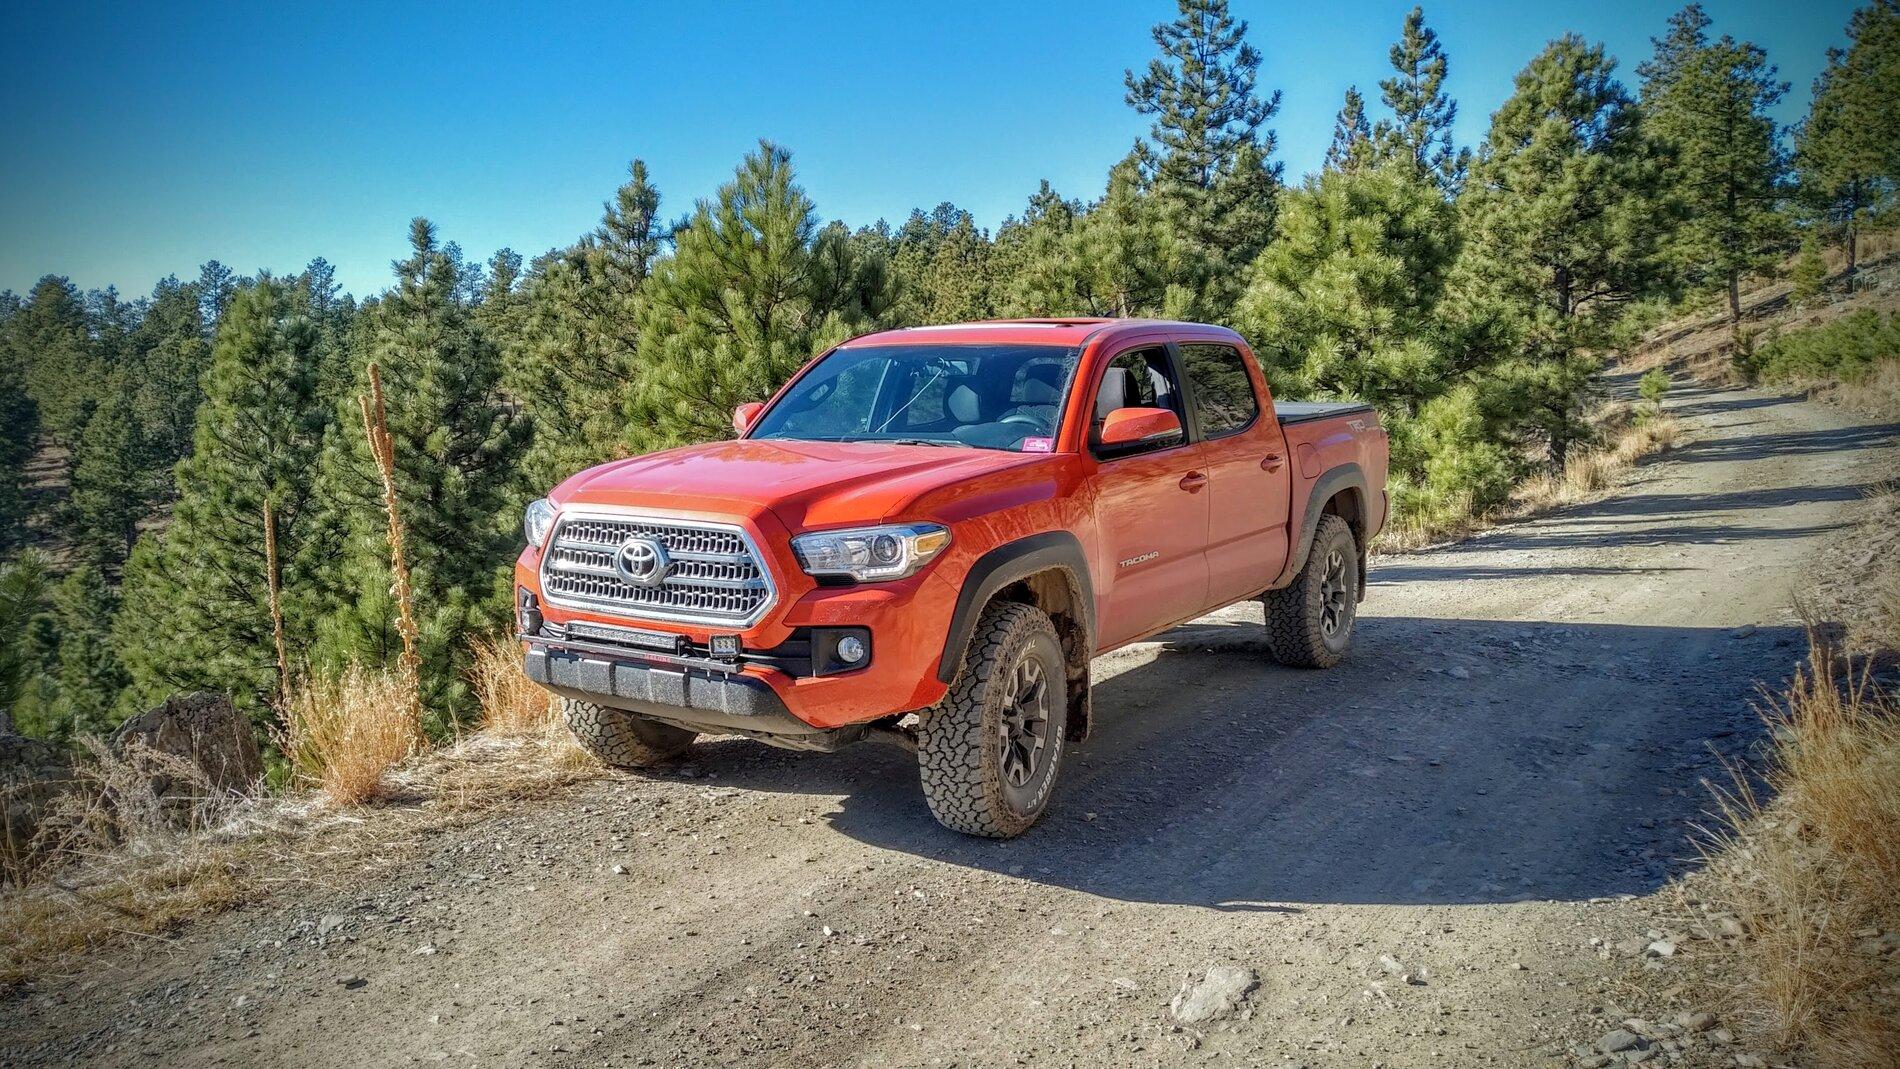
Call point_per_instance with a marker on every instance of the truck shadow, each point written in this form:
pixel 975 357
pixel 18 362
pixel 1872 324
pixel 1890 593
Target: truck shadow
pixel 1445 762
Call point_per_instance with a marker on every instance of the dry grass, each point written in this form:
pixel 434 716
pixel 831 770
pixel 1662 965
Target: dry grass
pixel 1589 473
pixel 1875 394
pixel 512 704
pixel 1813 877
pixel 1586 475
pixel 342 732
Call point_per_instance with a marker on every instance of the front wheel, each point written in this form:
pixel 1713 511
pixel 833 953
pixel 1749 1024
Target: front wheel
pixel 988 753
pixel 621 739
pixel 1309 623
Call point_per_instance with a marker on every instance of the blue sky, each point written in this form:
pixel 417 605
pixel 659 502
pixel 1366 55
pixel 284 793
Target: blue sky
pixel 146 139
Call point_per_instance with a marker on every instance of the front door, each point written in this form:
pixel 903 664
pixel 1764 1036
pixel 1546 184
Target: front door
pixel 1151 508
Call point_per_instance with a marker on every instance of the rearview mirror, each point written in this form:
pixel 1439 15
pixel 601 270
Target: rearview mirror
pixel 743 416
pixel 1127 429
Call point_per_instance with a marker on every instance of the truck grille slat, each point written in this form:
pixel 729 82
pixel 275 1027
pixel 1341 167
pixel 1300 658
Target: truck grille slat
pixel 714 574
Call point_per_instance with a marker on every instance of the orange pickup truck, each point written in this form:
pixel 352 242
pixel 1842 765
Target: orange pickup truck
pixel 927 534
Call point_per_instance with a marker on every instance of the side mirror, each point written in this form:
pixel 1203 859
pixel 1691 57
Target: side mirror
pixel 1128 429
pixel 745 414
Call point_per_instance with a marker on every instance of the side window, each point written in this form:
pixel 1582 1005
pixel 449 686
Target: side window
pixel 1139 379
pixel 1223 393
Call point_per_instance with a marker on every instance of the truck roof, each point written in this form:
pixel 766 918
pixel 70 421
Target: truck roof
pixel 1066 332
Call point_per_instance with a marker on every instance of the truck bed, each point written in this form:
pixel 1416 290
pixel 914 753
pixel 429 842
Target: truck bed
pixel 1303 411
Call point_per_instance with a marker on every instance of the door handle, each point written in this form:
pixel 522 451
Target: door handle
pixel 1193 481
pixel 1272 461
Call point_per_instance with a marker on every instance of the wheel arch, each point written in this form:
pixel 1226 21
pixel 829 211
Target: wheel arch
pixel 1342 492
pixel 1050 572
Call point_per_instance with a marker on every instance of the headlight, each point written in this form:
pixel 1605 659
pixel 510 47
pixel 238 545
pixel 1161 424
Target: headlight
pixel 871 554
pixel 537 521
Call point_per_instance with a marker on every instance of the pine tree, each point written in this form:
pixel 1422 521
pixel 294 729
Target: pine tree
pixel 1201 91
pixel 753 289
pixel 575 350
pixel 118 477
pixel 22 592
pixel 87 676
pixel 1035 256
pixel 941 264
pixel 1419 132
pixel 194 615
pixel 1708 104
pixel 1847 153
pixel 170 349
pixel 1810 270
pixel 1351 149
pixel 49 339
pixel 1211 165
pixel 20 417
pixel 1566 212
pixel 1343 303
pixel 457 442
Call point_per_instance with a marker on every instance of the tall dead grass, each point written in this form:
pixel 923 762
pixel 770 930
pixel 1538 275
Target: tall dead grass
pixel 512 704
pixel 1585 475
pixel 342 732
pixel 1813 876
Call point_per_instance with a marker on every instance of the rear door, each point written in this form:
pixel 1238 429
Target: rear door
pixel 1150 506
pixel 1248 470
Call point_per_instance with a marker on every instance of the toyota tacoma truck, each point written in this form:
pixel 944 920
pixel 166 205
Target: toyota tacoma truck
pixel 927 534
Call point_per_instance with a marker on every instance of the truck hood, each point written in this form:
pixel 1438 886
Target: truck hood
pixel 804 484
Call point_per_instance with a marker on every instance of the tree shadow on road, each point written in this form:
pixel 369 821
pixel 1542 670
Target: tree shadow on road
pixel 1445 762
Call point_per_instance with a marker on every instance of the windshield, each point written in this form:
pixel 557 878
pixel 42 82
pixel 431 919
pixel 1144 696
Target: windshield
pixel 986 396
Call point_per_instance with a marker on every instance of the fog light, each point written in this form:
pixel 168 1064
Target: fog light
pixel 851 649
pixel 725 647
pixel 527 612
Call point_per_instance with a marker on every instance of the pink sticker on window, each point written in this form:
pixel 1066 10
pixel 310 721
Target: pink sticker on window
pixel 1039 445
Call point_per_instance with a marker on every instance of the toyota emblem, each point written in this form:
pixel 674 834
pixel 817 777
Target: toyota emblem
pixel 642 562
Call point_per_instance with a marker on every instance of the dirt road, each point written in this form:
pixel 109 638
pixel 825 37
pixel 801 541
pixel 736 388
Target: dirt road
pixel 1412 852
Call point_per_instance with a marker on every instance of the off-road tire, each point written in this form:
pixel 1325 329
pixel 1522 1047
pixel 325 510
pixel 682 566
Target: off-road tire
pixel 1297 631
pixel 960 748
pixel 620 738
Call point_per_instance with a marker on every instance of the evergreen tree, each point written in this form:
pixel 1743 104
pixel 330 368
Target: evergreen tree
pixel 574 347
pixel 117 477
pixel 1201 91
pixel 1567 220
pixel 1343 303
pixel 20 417
pixel 1708 104
pixel 87 677
pixel 1351 149
pixel 50 340
pixel 22 592
pixel 457 442
pixel 1810 270
pixel 1847 153
pixel 195 613
pixel 1036 261
pixel 1419 132
pixel 1211 165
pixel 753 289
pixel 941 265
pixel 170 349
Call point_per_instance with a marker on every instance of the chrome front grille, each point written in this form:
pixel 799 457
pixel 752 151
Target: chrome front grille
pixel 714 574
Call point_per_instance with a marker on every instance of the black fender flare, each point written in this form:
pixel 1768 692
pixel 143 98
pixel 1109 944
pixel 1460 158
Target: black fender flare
pixel 1347 476
pixel 1006 564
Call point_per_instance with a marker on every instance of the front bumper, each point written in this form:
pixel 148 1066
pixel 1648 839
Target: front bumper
pixel 701 696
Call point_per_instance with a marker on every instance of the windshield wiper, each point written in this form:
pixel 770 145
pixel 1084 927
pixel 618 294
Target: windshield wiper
pixel 951 443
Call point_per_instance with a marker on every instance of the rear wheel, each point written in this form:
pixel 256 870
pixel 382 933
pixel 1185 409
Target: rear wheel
pixel 989 752
pixel 620 738
pixel 1309 623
